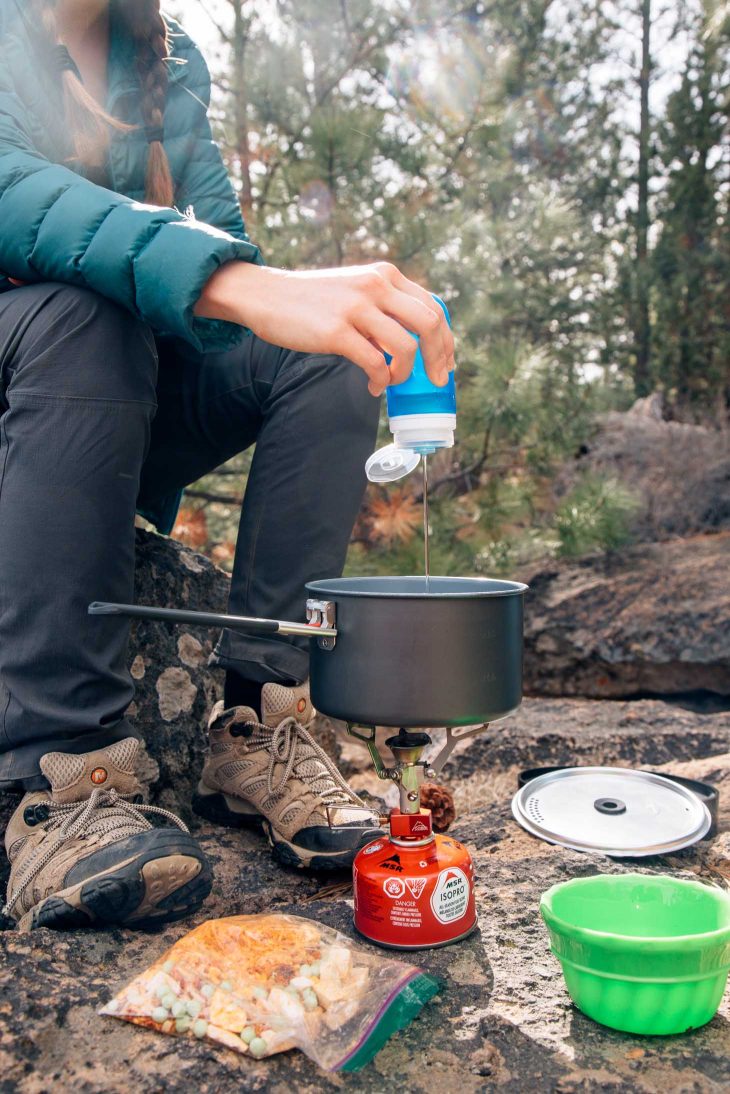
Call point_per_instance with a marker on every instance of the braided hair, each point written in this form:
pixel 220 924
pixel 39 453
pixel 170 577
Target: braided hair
pixel 149 30
pixel 90 124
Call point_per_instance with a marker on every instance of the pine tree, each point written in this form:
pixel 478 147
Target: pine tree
pixel 484 149
pixel 692 256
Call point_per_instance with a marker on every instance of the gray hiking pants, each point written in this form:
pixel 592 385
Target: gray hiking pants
pixel 96 419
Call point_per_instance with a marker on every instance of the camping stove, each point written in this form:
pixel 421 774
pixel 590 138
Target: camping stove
pixel 413 889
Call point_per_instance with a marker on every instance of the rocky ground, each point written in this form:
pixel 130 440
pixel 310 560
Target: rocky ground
pixel 503 1019
pixel 678 472
pixel 652 619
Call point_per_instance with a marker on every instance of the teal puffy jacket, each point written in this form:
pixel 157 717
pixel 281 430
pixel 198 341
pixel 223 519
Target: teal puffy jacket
pixel 56 225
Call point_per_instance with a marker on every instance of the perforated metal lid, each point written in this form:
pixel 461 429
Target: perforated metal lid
pixel 390 463
pixel 612 811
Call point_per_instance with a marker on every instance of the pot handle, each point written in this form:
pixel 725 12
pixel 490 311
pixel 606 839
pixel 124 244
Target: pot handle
pixel 247 624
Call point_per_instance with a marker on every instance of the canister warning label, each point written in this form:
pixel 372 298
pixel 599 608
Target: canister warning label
pixel 416 885
pixel 450 898
pixel 394 887
pixel 405 914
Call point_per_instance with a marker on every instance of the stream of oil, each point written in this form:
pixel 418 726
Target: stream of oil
pixel 426 560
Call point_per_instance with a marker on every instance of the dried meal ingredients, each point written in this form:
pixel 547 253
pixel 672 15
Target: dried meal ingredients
pixel 262 984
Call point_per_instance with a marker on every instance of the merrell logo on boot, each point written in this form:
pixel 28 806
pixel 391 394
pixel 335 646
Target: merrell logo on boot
pixel 99 775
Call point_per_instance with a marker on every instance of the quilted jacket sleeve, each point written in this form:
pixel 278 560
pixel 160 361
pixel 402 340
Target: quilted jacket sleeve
pixel 56 225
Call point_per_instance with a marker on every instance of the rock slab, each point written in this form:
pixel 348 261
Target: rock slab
pixel 651 620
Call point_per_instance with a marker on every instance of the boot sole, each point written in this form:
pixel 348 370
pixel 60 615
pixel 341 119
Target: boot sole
pixel 301 858
pixel 218 808
pixel 166 883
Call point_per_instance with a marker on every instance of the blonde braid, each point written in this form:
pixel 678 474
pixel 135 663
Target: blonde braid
pixel 88 122
pixel 90 125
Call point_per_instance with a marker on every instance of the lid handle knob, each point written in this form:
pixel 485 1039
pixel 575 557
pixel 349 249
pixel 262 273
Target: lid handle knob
pixel 611 807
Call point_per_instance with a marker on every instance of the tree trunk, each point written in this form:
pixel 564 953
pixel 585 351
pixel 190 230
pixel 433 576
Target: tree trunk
pixel 642 327
pixel 241 26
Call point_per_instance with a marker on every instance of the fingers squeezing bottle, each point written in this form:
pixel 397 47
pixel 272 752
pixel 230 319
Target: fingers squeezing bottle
pixel 422 419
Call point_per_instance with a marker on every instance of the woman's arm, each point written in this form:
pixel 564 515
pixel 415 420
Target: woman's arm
pixel 355 311
pixel 188 279
pixel 55 225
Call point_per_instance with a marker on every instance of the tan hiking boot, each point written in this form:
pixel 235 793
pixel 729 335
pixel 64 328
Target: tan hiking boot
pixel 273 774
pixel 84 853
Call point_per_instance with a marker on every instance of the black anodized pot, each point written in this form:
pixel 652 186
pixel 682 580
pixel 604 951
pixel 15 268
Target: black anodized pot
pixel 451 656
pixel 393 651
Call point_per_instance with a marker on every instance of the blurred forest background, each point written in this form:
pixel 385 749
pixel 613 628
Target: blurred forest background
pixel 559 171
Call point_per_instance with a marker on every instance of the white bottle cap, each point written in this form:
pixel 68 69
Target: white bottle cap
pixel 391 463
pixel 414 435
pixel 423 433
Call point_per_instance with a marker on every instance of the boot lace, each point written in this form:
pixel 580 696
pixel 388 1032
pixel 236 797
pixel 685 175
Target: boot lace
pixel 105 811
pixel 290 745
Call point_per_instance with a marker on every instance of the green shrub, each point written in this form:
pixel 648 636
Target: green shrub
pixel 595 515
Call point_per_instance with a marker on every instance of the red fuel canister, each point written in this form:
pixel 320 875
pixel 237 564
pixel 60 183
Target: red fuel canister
pixel 414 890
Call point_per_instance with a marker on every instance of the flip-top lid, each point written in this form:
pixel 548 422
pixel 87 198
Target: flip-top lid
pixel 390 463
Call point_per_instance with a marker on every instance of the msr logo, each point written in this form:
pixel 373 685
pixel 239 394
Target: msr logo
pixel 450 898
pixel 419 826
pixel 392 863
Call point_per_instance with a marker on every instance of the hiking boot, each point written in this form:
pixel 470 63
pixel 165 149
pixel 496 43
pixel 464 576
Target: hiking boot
pixel 84 852
pixel 272 774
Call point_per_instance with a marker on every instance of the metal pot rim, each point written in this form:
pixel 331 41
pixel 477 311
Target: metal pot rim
pixel 377 587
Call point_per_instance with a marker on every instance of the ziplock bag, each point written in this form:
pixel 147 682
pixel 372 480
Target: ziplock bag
pixel 261 984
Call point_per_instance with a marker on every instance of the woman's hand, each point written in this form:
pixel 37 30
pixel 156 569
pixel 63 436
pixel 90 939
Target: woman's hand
pixel 356 311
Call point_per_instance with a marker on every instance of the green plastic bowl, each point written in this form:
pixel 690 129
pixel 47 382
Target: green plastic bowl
pixel 641 953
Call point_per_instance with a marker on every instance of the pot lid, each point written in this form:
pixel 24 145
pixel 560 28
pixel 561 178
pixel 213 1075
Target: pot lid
pixel 391 463
pixel 611 811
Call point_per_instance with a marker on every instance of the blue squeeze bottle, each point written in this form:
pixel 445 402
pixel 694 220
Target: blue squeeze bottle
pixel 422 418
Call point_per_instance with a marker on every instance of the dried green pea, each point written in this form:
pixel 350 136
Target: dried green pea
pixel 160 1014
pixel 200 1027
pixel 179 1008
pixel 161 990
pixel 169 999
pixel 208 990
pixel 315 969
pixel 226 985
pixel 248 1034
pixel 182 1025
pixel 257 1046
pixel 193 1007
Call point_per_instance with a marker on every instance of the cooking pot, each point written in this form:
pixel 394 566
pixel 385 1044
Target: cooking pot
pixel 397 651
